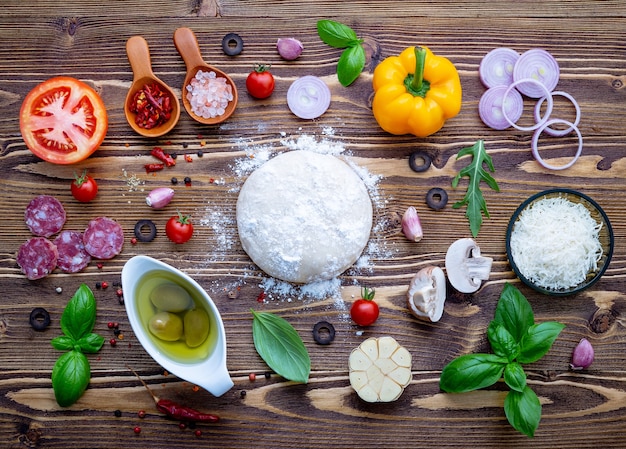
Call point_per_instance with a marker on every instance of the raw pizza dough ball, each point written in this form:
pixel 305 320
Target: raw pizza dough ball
pixel 304 216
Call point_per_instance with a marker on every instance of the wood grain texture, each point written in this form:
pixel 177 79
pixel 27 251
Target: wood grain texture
pixel 87 40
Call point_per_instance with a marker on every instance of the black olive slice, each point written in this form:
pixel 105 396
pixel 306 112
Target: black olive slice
pixel 323 333
pixel 139 230
pixel 437 198
pixel 39 318
pixel 419 161
pixel 232 44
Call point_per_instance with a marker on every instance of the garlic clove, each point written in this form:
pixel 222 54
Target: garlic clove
pixel 159 197
pixel 582 356
pixel 289 48
pixel 411 225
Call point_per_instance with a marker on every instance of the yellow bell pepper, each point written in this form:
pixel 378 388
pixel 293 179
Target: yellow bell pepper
pixel 415 92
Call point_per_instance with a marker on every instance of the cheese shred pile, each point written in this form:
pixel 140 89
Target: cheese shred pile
pixel 555 243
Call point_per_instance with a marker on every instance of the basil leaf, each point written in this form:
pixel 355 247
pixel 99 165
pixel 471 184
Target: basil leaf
pixel 63 343
pixel 350 65
pixel 280 346
pixel 514 312
pixel 70 377
pixel 502 342
pixel 336 34
pixel 523 410
pixel 90 343
pixel 79 315
pixel 515 377
pixel 538 341
pixel 471 372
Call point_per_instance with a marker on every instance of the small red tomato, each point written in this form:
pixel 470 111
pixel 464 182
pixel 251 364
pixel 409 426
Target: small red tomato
pixel 84 188
pixel 179 228
pixel 260 83
pixel 364 311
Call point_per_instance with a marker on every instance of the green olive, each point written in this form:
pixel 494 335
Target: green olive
pixel 196 327
pixel 166 326
pixel 171 297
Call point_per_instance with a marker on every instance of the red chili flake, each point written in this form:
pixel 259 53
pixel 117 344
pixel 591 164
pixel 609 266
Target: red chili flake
pixel 99 266
pixel 119 292
pixel 202 143
pixel 211 180
pixel 169 142
pixel 151 168
pixel 261 297
pixel 199 136
pixel 188 158
pixel 152 105
pixel 252 377
pixel 195 388
pixel 163 156
pixel 133 241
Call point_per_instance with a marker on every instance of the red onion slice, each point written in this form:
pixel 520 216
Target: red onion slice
pixel 491 103
pixel 539 65
pixel 541 129
pixel 558 132
pixel 546 93
pixel 496 68
pixel 308 97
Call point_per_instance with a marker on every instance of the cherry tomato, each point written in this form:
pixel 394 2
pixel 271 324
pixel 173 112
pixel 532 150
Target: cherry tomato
pixel 364 311
pixel 63 120
pixel 84 188
pixel 260 83
pixel 179 228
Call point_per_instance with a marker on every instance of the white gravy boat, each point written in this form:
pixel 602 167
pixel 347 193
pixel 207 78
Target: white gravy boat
pixel 209 373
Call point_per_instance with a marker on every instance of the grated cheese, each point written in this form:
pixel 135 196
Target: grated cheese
pixel 555 243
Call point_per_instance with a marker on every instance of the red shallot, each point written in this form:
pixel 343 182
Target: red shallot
pixel 558 132
pixel 535 149
pixel 547 95
pixel 491 104
pixel 159 197
pixel 539 65
pixel 308 97
pixel 496 68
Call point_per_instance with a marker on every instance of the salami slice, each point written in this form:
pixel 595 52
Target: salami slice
pixel 103 238
pixel 37 257
pixel 44 216
pixel 72 254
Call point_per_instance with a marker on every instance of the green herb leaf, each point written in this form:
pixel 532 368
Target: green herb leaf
pixel 336 34
pixel 280 346
pixel 350 65
pixel 538 341
pixel 514 312
pixel 502 342
pixel 475 171
pixel 471 372
pixel 523 411
pixel 79 315
pixel 515 377
pixel 63 343
pixel 90 343
pixel 70 377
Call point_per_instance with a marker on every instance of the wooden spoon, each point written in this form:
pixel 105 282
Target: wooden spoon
pixel 139 58
pixel 187 45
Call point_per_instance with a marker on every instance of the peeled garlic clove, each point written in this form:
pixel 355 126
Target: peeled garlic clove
pixel 160 197
pixel 411 225
pixel 583 355
pixel 289 48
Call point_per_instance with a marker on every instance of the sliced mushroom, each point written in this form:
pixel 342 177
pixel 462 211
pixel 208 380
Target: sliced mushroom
pixel 465 267
pixel 427 294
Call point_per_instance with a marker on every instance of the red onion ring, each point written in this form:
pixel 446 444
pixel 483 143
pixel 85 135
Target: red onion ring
pixel 547 95
pixel 491 103
pixel 543 127
pixel 558 132
pixel 308 97
pixel 496 68
pixel 539 65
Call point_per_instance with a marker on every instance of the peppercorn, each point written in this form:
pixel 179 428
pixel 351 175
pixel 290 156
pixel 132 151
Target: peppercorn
pixel 117 413
pixel 99 266
pixel 110 324
pixel 187 181
pixel 198 433
pixel 200 153
pixel 133 241
pixel 137 429
pixel 105 285
pixel 174 181
pixel 112 342
pixel 185 144
pixel 117 332
pixel 182 426
pixel 252 377
pixel 243 393
pixel 141 413
pixel 173 155
pixel 119 292
pixel 98 285
pixel 268 374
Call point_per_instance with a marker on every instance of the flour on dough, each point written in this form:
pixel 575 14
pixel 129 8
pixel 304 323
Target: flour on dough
pixel 304 217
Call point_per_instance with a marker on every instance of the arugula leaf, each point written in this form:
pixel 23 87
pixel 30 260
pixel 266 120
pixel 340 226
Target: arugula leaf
pixel 280 346
pixel 471 372
pixel 475 171
pixel 352 59
pixel 70 377
pixel 515 377
pixel 79 315
pixel 514 312
pixel 523 410
pixel 538 341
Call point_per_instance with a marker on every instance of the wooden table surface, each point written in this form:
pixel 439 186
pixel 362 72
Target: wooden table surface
pixel 86 40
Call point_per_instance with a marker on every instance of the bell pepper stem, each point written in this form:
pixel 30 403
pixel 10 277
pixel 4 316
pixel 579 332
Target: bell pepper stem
pixel 418 77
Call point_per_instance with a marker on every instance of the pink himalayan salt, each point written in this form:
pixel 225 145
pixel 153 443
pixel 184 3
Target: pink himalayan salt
pixel 209 94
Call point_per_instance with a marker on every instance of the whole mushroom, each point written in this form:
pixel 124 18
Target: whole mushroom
pixel 465 267
pixel 427 294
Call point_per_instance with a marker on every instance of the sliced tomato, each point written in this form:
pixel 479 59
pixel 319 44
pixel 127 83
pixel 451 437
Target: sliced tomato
pixel 63 120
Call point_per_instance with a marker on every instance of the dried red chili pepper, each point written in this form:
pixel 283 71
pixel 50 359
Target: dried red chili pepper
pixel 152 106
pixel 151 168
pixel 163 156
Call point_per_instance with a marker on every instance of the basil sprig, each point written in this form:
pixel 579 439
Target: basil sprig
pixel 71 372
pixel 514 339
pixel 352 59
pixel 280 346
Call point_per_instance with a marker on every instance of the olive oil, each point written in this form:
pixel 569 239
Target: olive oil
pixel 177 350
